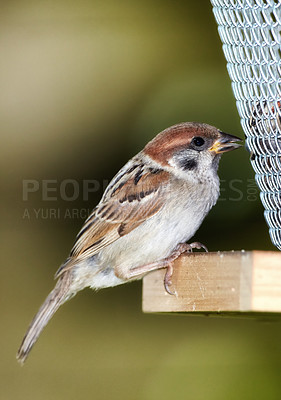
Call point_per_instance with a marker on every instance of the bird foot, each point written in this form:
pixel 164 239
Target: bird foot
pixel 167 279
pixel 165 263
pixel 180 249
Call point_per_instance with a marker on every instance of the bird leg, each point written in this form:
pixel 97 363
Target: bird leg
pixel 165 263
pixel 180 249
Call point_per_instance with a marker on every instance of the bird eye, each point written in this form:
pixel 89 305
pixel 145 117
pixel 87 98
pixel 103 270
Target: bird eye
pixel 198 141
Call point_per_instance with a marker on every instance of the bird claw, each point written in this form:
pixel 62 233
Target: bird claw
pixel 180 249
pixel 167 279
pixel 195 245
pixel 172 293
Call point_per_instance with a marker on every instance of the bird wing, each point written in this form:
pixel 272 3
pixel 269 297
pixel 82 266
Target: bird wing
pixel 133 196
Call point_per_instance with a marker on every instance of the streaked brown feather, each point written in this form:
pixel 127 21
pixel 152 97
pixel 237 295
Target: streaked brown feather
pixel 130 200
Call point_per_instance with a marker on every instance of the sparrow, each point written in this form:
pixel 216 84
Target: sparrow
pixel 148 212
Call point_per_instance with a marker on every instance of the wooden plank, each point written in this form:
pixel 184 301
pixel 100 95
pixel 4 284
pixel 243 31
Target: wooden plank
pixel 266 281
pixel 218 282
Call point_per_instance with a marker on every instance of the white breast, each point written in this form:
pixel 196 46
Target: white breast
pixel 156 238
pixel 153 240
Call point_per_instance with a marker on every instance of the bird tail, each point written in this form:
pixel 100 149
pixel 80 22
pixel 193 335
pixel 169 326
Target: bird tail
pixel 55 299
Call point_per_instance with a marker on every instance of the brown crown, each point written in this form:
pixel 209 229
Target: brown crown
pixel 176 137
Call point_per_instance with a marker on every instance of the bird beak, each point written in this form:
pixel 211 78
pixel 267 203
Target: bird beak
pixel 225 143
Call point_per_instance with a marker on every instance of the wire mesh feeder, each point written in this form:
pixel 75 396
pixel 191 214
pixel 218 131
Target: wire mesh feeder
pixel 250 31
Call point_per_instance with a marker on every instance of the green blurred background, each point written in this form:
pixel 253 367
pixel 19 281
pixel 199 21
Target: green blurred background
pixel 84 85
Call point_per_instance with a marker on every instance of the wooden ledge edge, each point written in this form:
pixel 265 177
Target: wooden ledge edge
pixel 222 282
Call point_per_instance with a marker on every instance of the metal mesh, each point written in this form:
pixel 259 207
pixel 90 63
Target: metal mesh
pixel 250 31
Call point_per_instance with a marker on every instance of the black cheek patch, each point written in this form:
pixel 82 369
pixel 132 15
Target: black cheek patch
pixel 188 164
